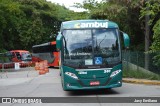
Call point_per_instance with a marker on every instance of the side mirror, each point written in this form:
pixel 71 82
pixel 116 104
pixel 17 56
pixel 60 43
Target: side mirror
pixel 59 41
pixel 126 40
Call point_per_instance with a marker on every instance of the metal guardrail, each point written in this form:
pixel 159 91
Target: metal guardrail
pixel 17 71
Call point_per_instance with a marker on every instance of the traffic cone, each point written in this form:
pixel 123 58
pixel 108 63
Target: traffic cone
pixel 36 66
pixel 46 66
pixel 41 72
pixel 41 68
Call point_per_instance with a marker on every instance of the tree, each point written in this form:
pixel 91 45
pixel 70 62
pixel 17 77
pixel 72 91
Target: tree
pixel 29 22
pixel 152 9
pixel 10 15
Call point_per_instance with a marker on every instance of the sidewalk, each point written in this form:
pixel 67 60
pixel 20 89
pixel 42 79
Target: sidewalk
pixel 141 81
pixel 14 77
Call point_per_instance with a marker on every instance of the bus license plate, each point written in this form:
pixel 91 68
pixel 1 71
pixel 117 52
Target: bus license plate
pixel 92 83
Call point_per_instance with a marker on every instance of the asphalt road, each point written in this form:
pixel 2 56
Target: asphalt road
pixel 30 84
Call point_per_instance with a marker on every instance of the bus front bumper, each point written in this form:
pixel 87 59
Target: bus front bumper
pixel 70 83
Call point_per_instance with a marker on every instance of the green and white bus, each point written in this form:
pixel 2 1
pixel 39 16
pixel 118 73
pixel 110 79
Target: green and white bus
pixel 90 54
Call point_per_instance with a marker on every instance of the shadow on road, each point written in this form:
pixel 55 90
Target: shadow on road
pixel 54 67
pixel 92 92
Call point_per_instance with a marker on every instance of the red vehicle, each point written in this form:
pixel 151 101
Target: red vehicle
pixel 46 51
pixel 20 55
pixel 9 58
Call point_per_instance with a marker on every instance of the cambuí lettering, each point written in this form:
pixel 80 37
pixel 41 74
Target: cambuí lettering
pixel 94 25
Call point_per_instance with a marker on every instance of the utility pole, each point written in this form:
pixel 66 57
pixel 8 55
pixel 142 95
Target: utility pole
pixel 147 39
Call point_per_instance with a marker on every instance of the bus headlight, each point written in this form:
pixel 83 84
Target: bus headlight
pixel 71 75
pixel 114 73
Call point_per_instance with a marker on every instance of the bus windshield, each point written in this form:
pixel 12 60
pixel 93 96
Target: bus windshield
pixel 26 57
pixel 91 48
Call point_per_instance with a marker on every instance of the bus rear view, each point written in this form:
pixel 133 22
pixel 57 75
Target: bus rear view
pixel 90 54
pixel 46 51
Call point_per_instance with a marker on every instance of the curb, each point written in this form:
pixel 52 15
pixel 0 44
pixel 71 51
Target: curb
pixel 141 81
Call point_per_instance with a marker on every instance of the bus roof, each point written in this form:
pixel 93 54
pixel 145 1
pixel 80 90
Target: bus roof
pixel 45 44
pixel 78 24
pixel 19 51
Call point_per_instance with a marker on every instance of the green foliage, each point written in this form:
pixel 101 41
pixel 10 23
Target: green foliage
pixel 25 23
pixel 38 23
pixel 140 75
pixel 10 16
pixel 156 37
pixel 152 8
pixel 156 43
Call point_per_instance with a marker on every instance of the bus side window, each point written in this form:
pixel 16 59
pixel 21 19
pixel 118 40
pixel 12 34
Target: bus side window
pixel 13 55
pixel 18 56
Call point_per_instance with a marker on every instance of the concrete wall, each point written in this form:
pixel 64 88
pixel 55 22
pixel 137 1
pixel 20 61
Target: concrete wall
pixel 133 67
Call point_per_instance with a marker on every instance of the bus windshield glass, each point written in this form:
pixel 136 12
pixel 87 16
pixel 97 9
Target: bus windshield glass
pixel 26 57
pixel 91 48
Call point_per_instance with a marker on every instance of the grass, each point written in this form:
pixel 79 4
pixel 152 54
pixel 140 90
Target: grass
pixel 140 75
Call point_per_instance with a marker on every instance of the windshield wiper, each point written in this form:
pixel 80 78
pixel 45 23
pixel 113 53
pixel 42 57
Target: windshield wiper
pixel 102 40
pixel 98 45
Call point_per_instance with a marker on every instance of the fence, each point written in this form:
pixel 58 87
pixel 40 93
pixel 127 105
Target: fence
pixel 136 60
